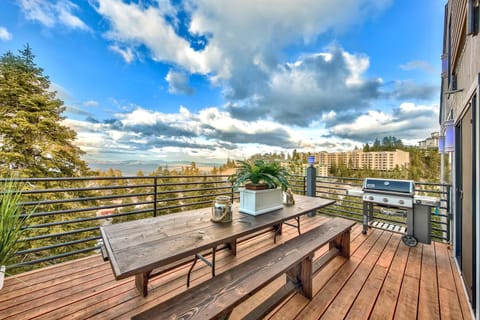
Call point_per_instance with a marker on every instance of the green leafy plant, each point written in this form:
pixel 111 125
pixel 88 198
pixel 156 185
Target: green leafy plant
pixel 11 219
pixel 260 172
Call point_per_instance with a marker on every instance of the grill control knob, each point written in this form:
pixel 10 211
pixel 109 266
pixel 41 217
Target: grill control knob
pixel 370 198
pixel 385 199
pixel 401 201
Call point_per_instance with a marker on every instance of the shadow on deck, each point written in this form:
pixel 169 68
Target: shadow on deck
pixel 383 279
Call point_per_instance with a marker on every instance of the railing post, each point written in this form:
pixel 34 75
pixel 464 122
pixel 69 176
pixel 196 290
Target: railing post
pixel 155 196
pixel 304 185
pixel 449 214
pixel 311 185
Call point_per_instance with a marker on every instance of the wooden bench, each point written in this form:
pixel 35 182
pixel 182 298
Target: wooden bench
pixel 215 298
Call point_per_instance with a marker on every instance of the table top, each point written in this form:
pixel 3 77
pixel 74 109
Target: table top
pixel 143 245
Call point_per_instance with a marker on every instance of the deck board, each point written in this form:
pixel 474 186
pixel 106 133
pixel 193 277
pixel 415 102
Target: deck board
pixel 407 304
pixel 466 312
pixel 365 302
pixel 390 290
pixel 428 300
pixel 383 279
pixel 332 287
pixel 449 308
pixel 338 308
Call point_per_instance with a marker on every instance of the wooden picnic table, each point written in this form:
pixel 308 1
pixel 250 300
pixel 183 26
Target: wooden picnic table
pixel 135 248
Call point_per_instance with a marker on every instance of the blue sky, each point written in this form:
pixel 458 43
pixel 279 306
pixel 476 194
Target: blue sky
pixel 205 80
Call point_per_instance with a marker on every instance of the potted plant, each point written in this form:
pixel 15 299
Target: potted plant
pixel 11 222
pixel 263 183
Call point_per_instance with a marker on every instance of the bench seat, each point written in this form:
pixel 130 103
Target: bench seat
pixel 215 298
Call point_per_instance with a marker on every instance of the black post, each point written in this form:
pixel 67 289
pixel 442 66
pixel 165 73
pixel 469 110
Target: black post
pixel 155 196
pixel 311 185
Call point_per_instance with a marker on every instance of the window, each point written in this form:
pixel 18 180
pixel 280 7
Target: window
pixel 473 16
pixel 444 65
pixel 453 83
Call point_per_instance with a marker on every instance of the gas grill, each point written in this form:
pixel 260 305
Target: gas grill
pixel 400 196
pixel 389 193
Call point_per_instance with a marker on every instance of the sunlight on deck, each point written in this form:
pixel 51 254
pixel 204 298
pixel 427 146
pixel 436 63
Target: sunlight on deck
pixel 383 279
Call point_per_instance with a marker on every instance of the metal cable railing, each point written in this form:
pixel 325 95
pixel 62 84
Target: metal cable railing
pixel 69 211
pixel 352 207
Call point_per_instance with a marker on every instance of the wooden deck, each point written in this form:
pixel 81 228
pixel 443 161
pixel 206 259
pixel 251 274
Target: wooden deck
pixel 383 279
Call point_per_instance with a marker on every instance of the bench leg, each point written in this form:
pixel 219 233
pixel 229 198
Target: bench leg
pixel 141 282
pixel 302 275
pixel 342 243
pixel 226 316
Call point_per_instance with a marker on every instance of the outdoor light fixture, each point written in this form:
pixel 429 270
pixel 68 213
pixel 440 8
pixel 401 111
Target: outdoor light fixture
pixel 311 160
pixel 441 144
pixel 449 136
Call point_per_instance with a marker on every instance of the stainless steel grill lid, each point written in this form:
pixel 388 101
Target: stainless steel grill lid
pixel 406 187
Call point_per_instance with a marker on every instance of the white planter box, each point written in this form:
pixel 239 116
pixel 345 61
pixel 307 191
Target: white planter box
pixel 256 202
pixel 2 276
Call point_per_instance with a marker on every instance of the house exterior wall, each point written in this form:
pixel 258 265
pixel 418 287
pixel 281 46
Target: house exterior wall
pixel 461 66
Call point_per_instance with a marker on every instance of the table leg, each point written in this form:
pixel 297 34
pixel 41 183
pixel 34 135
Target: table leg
pixel 232 246
pixel 141 282
pixel 190 270
pixel 210 264
pixel 277 231
pixel 297 219
pixel 214 250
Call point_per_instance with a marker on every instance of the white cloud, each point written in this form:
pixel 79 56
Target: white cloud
pixel 213 134
pixel 248 37
pixel 418 64
pixel 234 43
pixel 209 132
pixel 127 53
pixel 305 90
pixel 178 83
pixel 51 13
pixel 91 103
pixel 411 108
pixel 4 34
pixel 138 24
pixel 329 116
pixel 408 121
pixel 408 90
pixel 62 93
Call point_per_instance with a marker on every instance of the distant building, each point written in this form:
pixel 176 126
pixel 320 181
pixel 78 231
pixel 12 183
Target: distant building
pixel 322 170
pixel 357 159
pixel 431 142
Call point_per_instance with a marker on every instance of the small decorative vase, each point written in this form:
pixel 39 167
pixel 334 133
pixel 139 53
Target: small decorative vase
pixel 222 209
pixel 288 199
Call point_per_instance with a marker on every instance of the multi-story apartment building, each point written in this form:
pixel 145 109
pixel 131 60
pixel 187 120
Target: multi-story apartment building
pixel 431 142
pixel 357 159
pixel 459 103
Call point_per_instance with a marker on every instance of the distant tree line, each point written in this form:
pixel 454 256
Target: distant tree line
pixel 388 143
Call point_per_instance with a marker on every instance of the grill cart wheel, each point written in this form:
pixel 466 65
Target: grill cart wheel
pixel 409 240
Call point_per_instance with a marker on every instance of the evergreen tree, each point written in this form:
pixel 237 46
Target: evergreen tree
pixel 33 142
pixel 376 145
